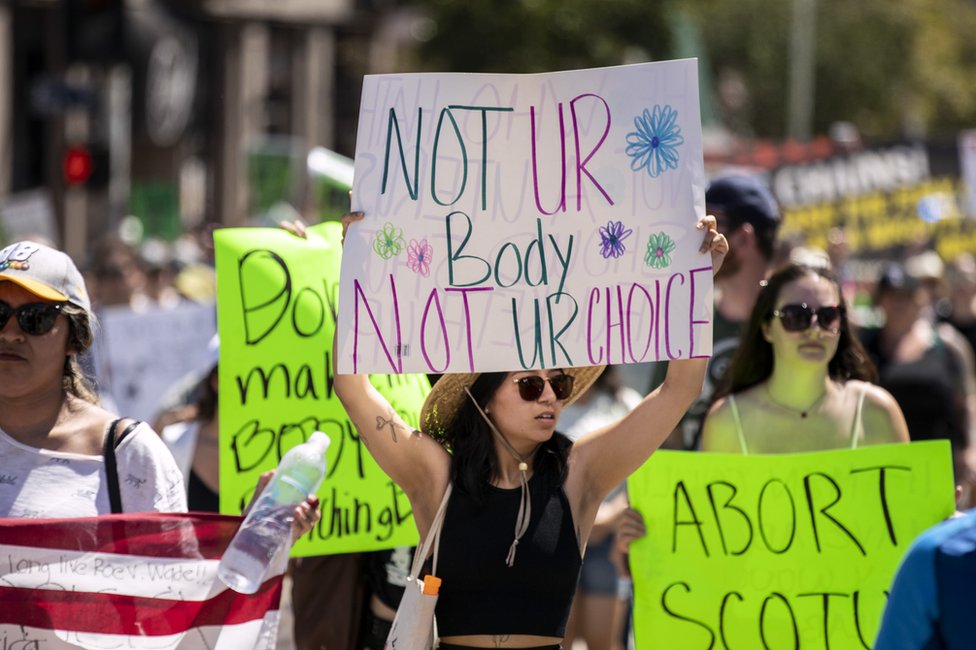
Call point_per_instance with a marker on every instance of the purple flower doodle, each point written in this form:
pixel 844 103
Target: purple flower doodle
pixel 612 239
pixel 419 255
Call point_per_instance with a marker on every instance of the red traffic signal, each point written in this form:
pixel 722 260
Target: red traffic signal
pixel 78 165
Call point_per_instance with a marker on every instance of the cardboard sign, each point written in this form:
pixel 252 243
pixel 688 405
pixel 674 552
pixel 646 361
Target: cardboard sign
pixel 276 300
pixel 527 221
pixel 141 355
pixel 778 551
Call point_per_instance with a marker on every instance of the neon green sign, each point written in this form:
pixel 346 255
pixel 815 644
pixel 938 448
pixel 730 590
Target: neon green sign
pixel 277 297
pixel 778 551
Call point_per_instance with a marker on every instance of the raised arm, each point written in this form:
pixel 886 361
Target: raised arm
pixel 606 457
pixel 415 462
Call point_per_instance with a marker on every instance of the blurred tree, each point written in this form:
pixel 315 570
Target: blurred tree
pixel 895 69
pixel 541 35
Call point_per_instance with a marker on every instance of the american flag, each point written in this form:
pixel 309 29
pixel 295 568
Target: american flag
pixel 145 581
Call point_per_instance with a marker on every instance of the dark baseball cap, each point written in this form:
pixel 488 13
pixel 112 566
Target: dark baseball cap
pixel 743 199
pixel 896 278
pixel 44 271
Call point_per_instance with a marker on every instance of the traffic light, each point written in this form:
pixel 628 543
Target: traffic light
pixel 95 29
pixel 86 165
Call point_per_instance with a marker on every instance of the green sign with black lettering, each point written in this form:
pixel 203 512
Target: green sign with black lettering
pixel 277 297
pixel 778 551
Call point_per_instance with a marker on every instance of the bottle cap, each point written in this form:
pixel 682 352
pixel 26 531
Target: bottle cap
pixel 432 585
pixel 320 440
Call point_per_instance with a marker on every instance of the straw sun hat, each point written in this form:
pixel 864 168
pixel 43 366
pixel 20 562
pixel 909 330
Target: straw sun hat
pixel 448 396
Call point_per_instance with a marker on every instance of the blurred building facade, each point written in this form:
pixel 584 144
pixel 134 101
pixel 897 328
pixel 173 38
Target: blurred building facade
pixel 180 112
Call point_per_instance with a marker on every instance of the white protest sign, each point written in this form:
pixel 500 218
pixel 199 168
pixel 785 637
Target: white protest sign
pixel 526 221
pixel 140 355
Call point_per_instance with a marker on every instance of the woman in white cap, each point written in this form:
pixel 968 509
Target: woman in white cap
pixel 62 454
pixel 524 497
pixel 52 431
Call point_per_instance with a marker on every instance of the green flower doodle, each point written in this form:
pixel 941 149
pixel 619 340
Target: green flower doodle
pixel 659 249
pixel 389 241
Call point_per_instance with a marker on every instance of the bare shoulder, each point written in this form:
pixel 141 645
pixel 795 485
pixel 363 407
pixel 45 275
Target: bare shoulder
pixel 82 427
pixel 719 431
pixel 882 417
pixel 875 397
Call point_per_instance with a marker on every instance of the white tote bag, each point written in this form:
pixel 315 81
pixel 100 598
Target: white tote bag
pixel 413 625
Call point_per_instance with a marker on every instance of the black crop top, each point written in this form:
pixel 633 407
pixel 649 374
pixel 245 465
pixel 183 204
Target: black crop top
pixel 479 593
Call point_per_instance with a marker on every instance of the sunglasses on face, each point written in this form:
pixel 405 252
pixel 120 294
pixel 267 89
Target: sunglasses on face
pixel 797 318
pixel 34 318
pixel 531 388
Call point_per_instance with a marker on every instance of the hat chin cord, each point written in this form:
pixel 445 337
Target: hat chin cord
pixel 525 503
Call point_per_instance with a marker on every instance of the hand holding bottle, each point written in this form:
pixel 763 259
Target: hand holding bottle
pixel 306 513
pixel 282 504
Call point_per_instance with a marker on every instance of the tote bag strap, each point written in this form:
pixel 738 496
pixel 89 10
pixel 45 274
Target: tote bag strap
pixel 112 440
pixel 433 538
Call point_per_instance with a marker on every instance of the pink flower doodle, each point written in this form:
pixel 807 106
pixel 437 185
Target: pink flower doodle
pixel 419 255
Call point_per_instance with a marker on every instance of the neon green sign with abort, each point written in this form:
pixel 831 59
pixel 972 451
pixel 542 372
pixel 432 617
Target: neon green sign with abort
pixel 778 551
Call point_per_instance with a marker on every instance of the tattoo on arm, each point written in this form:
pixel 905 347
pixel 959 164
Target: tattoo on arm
pixel 382 423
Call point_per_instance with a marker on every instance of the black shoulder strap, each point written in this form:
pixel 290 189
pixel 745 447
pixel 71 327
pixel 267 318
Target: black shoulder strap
pixel 111 466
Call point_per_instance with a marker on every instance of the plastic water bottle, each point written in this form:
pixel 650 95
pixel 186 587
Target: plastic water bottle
pixel 268 525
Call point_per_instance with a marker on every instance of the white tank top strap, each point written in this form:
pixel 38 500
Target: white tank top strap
pixel 738 424
pixel 857 426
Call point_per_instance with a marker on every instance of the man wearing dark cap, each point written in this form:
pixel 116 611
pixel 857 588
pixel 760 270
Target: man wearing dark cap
pixel 749 217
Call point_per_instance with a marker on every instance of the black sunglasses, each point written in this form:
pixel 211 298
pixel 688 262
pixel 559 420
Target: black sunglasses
pixel 34 318
pixel 531 388
pixel 797 318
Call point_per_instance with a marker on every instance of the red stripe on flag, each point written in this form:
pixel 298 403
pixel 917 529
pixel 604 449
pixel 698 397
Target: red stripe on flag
pixel 117 614
pixel 163 535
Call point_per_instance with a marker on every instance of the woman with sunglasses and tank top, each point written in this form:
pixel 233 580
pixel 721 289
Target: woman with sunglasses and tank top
pixel 524 497
pixel 52 430
pixel 800 381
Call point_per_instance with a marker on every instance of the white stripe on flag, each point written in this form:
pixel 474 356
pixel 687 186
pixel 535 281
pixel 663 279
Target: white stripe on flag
pixel 257 634
pixel 142 581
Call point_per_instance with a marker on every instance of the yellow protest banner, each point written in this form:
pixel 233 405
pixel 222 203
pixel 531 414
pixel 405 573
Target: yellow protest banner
pixel 778 551
pixel 277 297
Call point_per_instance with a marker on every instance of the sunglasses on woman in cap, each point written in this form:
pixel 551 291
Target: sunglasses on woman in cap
pixel 34 318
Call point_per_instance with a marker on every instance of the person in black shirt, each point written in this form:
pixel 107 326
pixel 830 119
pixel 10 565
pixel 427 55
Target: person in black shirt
pixel 507 464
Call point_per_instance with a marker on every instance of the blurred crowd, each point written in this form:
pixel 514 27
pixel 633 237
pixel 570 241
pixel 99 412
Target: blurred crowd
pixel 913 312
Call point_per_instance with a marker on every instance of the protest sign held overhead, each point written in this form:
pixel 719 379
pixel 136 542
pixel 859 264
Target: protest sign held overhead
pixel 277 299
pixel 526 221
pixel 778 551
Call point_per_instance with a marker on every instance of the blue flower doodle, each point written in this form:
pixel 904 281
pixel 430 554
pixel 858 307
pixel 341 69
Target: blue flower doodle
pixel 653 146
pixel 612 239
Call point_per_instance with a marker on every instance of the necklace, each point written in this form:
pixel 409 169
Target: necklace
pixel 803 413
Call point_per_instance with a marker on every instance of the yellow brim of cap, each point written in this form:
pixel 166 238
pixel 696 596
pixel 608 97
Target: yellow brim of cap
pixel 39 289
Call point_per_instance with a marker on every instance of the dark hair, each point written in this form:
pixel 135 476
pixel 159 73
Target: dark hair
pixel 206 397
pixel 80 337
pixel 753 360
pixel 474 463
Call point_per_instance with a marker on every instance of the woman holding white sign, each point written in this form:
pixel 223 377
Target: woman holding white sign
pixel 800 381
pixel 508 466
